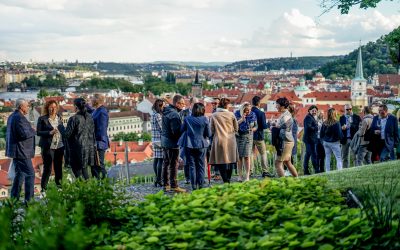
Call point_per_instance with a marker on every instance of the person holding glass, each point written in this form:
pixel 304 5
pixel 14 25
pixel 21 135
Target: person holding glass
pixel 49 129
pixel 350 124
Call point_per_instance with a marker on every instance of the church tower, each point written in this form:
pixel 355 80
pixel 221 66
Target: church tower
pixel 197 88
pixel 359 85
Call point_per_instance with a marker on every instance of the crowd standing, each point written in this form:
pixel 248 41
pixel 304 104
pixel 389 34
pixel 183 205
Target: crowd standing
pixel 226 141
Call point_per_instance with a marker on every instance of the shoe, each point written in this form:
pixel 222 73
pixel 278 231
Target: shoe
pixel 157 184
pixel 167 188
pixel 178 190
pixel 266 174
pixel 217 177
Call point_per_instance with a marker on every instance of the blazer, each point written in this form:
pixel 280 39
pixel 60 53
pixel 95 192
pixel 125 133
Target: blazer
pixel 43 129
pixel 195 132
pixel 171 127
pixel 20 137
pixel 391 131
pixel 331 133
pixel 258 135
pixel 310 129
pixel 355 125
pixel 100 118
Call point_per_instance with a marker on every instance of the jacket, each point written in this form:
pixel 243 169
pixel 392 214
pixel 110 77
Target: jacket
pixel 310 129
pixel 20 137
pixel 258 135
pixel 391 131
pixel 195 132
pixel 81 142
pixel 43 129
pixel 364 126
pixel 100 119
pixel 331 133
pixel 224 127
pixel 354 126
pixel 171 127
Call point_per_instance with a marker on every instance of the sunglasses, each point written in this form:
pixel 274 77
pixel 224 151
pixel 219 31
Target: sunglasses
pixel 348 109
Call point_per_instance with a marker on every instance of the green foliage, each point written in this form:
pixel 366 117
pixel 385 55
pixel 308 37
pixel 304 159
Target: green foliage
pixel 170 78
pixel 32 81
pixel 393 41
pixel 273 214
pixel 44 93
pixel 111 83
pixel 132 136
pixel 375 60
pixel 345 5
pixel 54 81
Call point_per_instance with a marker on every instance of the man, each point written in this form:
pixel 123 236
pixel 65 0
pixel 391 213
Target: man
pixel 100 118
pixel 386 126
pixel 310 139
pixel 184 113
pixel 215 105
pixel 20 145
pixel 171 131
pixel 350 124
pixel 363 153
pixel 258 135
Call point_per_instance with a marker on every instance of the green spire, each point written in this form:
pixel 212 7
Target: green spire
pixel 359 69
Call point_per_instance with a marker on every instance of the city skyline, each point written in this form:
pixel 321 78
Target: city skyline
pixel 178 30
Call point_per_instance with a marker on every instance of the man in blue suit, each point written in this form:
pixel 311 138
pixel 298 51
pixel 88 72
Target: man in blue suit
pixel 386 125
pixel 310 139
pixel 100 118
pixel 20 145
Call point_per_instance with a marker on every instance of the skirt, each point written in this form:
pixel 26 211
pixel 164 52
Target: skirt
pixel 287 152
pixel 245 144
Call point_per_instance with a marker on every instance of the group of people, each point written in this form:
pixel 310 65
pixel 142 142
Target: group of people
pixel 80 144
pixel 349 137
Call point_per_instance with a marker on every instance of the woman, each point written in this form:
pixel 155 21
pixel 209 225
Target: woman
pixel 224 153
pixel 320 146
pixel 195 140
pixel 247 122
pixel 285 125
pixel 156 121
pixel 81 140
pixel 49 129
pixel 331 134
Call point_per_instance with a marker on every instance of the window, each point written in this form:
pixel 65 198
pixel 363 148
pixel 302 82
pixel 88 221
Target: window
pixel 3 193
pixel 360 83
pixel 360 94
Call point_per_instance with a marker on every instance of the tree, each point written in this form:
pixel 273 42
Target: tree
pixel 32 81
pixel 170 78
pixel 42 93
pixel 393 41
pixel 345 5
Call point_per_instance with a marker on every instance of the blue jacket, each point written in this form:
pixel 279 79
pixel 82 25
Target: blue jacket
pixel 355 125
pixel 171 127
pixel 100 118
pixel 258 135
pixel 196 132
pixel 310 130
pixel 20 137
pixel 391 131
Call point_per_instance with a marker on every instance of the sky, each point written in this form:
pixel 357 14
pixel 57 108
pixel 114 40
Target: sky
pixel 184 30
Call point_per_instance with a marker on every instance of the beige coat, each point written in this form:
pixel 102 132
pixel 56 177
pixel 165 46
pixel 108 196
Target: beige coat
pixel 364 126
pixel 224 127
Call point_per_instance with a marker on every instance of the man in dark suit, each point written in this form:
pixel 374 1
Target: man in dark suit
pixel 386 126
pixel 100 118
pixel 350 124
pixel 20 145
pixel 310 139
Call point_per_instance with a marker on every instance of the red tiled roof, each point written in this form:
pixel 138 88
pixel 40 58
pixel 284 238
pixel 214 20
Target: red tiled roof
pixel 133 146
pixel 391 79
pixel 329 96
pixel 132 157
pixel 5 164
pixel 290 95
pixel 4 178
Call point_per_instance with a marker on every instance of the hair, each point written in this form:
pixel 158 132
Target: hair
pixel 244 106
pixel 283 101
pixel 384 107
pixel 256 100
pixel 19 102
pixel 176 99
pixel 367 110
pixel 224 102
pixel 98 99
pixel 312 107
pixel 292 109
pixel 157 105
pixel 45 110
pixel 331 120
pixel 193 100
pixel 198 109
pixel 80 103
pixel 217 98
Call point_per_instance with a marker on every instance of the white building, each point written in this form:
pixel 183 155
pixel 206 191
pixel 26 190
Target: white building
pixel 125 122
pixel 359 85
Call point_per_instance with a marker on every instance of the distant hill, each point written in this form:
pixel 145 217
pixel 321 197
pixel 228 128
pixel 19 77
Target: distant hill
pixel 290 63
pixel 376 59
pixel 194 64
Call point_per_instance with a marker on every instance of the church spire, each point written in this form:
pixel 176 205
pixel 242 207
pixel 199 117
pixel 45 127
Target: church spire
pixel 359 68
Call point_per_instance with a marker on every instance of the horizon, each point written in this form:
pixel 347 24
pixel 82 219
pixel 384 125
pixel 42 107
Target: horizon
pixel 179 31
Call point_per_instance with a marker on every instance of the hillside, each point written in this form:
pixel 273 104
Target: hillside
pixel 291 63
pixel 376 59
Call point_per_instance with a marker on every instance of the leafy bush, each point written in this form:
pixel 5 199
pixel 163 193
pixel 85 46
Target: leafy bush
pixel 275 214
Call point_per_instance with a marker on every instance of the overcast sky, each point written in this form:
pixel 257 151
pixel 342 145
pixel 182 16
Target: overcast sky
pixel 184 30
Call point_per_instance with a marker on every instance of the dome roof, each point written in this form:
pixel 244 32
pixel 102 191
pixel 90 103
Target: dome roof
pixel 301 88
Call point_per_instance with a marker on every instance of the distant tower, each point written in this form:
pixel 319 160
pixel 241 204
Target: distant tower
pixel 359 85
pixel 197 88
